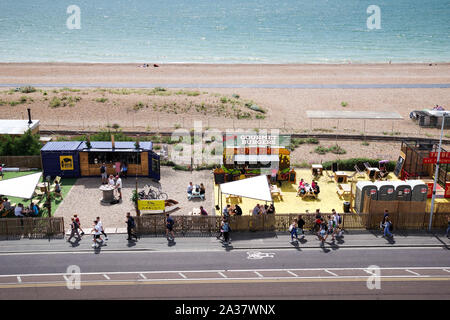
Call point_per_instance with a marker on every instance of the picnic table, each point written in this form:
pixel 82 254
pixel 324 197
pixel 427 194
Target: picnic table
pixel 276 192
pixel 344 189
pixel 340 177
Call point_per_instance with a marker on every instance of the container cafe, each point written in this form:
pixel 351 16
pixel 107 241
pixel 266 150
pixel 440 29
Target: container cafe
pixel 73 159
pixel 249 155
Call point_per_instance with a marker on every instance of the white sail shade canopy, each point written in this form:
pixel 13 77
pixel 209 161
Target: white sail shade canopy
pixel 20 187
pixel 254 188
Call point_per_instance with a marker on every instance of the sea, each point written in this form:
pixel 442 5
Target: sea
pixel 225 31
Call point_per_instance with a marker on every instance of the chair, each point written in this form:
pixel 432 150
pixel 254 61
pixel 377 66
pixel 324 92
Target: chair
pixel 57 179
pixel 372 174
pixel 366 165
pixel 331 177
pixel 359 172
pixel 352 176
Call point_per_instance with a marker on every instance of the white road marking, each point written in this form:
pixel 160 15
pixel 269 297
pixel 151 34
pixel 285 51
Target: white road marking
pixel 258 274
pixel 142 276
pixel 334 274
pixel 19 280
pixel 222 274
pixel 106 277
pixel 291 273
pixel 415 273
pixel 182 275
pixel 446 270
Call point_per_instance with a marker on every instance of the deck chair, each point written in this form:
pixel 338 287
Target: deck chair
pixel 359 172
pixel 352 176
pixel 331 177
pixel 372 175
pixel 366 165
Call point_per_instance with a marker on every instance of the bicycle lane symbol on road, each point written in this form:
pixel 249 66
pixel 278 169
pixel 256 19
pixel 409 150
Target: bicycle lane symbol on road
pixel 256 255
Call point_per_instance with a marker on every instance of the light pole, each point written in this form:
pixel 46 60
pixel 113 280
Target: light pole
pixel 436 173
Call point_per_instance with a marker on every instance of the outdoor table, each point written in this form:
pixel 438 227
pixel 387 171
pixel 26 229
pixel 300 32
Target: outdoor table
pixel 41 186
pixel 108 193
pixel 318 168
pixel 275 191
pixel 340 177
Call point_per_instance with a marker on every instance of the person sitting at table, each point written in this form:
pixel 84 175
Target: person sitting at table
pixel 237 210
pixel 202 189
pixel 18 211
pixel 256 210
pixel 190 188
pixel 6 205
pixel 58 190
pixel 271 209
pixel 316 188
pixel 34 210
pixel 301 188
pixel 203 211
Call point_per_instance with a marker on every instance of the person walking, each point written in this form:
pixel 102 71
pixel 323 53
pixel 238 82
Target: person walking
pixel 74 230
pixel 130 227
pixel 97 235
pixel 293 230
pixel 226 231
pixel 78 222
pixel 169 227
pixel 388 228
pixel 323 232
pixel 331 227
pixel 300 224
pixel 119 186
pixel 102 230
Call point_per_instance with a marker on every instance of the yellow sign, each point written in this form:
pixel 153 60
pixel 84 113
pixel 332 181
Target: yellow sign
pixel 151 204
pixel 66 162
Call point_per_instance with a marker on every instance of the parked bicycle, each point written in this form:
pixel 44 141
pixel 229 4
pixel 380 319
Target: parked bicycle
pixel 152 194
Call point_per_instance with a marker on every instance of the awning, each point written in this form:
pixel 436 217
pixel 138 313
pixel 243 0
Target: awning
pixel 20 187
pixel 253 188
pixel 254 158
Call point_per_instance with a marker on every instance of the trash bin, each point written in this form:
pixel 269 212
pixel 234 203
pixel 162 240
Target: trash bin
pixel 346 207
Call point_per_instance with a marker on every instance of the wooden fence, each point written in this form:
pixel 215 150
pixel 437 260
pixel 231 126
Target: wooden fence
pixel 209 225
pixel 22 161
pixel 32 227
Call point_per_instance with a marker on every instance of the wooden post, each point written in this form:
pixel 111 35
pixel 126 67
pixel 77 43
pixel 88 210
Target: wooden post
pixel 112 141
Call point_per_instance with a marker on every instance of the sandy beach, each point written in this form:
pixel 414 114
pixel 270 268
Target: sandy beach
pixel 145 109
pixel 73 73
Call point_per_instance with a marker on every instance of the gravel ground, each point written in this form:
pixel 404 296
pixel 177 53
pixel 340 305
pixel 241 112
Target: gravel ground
pixel 84 197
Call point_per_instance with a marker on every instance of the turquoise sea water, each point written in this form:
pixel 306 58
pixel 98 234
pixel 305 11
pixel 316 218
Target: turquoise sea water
pixel 225 31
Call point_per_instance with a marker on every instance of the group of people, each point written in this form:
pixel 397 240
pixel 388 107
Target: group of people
pixel 263 209
pixel 322 228
pixel 116 183
pixel 121 170
pixel 97 230
pixel 230 210
pixel 304 188
pixel 20 211
pixel 197 189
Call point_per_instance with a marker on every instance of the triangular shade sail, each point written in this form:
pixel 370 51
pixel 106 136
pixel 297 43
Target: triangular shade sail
pixel 20 187
pixel 253 188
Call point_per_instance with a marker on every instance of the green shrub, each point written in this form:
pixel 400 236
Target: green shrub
pixel 321 150
pixel 344 104
pixel 349 164
pixel 27 89
pixel 27 144
pixel 312 141
pixel 55 102
pixel 337 150
pixel 101 100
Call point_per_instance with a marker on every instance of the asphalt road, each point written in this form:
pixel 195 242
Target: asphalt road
pixel 268 274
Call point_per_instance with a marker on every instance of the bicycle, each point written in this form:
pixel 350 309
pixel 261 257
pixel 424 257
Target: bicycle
pixel 152 194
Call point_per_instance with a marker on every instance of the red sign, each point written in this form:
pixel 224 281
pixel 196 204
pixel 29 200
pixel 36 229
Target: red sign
pixel 444 155
pixel 434 160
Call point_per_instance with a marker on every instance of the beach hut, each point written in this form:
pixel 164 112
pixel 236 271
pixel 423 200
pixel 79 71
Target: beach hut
pixel 78 159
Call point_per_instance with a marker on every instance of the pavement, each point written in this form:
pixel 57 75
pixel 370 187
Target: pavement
pixel 240 241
